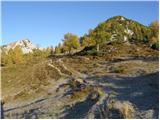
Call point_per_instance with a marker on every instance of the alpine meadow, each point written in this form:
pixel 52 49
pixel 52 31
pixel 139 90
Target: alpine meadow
pixel 109 71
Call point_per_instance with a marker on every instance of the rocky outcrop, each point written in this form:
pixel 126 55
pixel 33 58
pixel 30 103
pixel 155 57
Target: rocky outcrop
pixel 26 46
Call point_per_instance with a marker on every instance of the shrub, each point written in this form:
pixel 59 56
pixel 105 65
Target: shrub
pixel 40 73
pixel 121 110
pixel 155 46
pixel 89 48
pixel 118 69
pixel 94 53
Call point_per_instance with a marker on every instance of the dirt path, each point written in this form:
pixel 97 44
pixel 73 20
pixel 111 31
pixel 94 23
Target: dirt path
pixel 39 107
pixel 136 89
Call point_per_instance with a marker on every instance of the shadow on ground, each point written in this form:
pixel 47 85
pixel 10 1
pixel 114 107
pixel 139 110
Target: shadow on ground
pixel 142 91
pixel 79 110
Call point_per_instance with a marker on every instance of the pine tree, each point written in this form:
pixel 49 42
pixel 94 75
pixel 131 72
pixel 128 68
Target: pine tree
pixel 51 50
pixel 87 41
pixel 17 56
pixel 154 40
pixel 100 38
pixel 155 28
pixel 37 52
pixel 70 42
pixel 57 50
pixel 4 59
pixel 10 56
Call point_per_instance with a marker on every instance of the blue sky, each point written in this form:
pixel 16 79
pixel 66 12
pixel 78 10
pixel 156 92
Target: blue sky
pixel 45 23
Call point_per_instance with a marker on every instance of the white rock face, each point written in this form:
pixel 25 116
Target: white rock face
pixel 122 18
pixel 125 38
pixel 25 45
pixel 128 31
pixel 113 37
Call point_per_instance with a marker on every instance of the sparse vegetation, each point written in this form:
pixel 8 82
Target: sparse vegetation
pixel 155 46
pixel 154 40
pixel 81 73
pixel 122 110
pixel 70 42
pixel 119 69
pixel 16 56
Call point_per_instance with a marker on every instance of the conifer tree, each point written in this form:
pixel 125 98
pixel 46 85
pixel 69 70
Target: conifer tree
pixel 51 50
pixel 57 50
pixel 17 56
pixel 4 59
pixel 70 42
pixel 154 40
pixel 87 41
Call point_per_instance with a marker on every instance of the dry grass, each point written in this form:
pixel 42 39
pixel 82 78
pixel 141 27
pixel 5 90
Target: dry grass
pixel 85 65
pixel 116 50
pixel 83 93
pixel 124 109
pixel 79 89
pixel 119 69
pixel 31 80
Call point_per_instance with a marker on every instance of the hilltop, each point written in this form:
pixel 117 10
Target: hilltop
pixel 121 29
pixel 116 30
pixel 120 36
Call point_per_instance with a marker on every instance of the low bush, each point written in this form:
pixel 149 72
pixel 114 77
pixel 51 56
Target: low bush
pixel 155 46
pixel 40 73
pixel 118 69
pixel 121 110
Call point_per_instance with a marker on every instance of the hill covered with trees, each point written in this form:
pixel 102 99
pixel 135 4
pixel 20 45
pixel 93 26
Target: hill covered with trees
pixel 117 29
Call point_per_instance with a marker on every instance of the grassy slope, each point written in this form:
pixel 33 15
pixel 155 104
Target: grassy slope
pixel 27 81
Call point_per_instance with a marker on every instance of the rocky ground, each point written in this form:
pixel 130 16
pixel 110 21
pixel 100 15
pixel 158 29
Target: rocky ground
pixel 124 87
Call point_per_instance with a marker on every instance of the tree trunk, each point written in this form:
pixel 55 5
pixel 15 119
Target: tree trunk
pixel 2 111
pixel 97 47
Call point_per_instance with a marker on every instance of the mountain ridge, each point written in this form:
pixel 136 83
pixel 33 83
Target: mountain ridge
pixel 25 44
